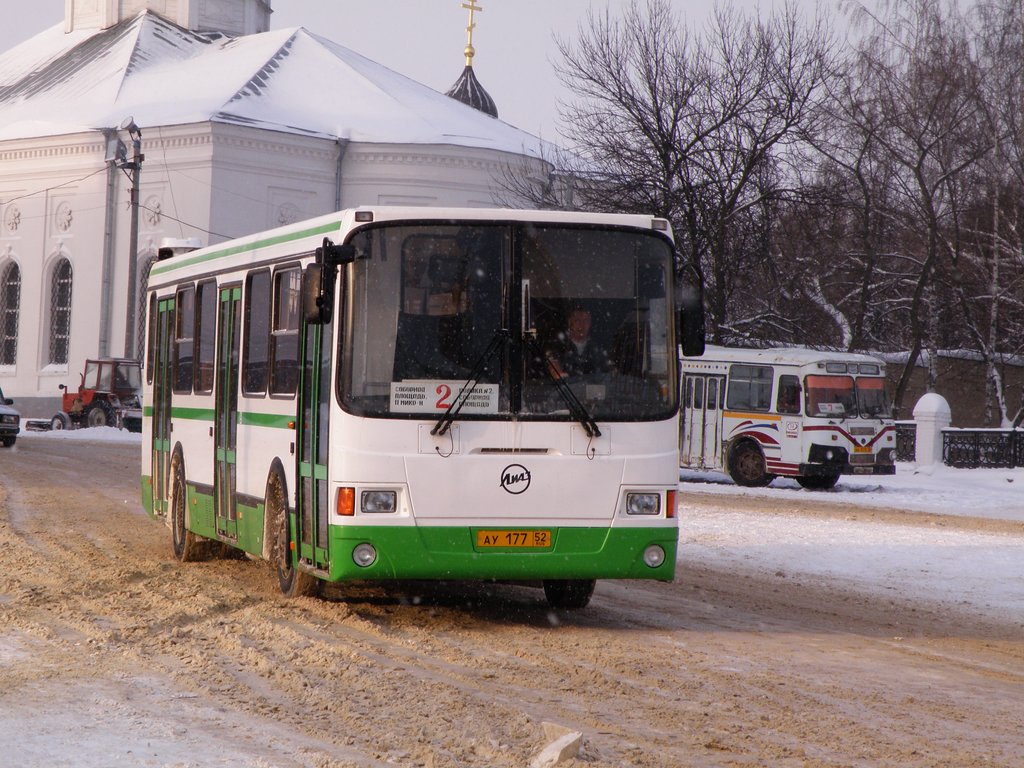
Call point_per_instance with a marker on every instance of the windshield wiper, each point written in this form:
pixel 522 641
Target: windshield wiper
pixel 576 408
pixel 497 341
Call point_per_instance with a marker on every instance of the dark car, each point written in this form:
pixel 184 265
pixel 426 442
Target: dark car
pixel 10 421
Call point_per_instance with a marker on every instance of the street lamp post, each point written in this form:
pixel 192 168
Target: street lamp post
pixel 132 169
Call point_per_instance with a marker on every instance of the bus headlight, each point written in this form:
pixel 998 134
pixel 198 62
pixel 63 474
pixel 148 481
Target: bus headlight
pixel 364 555
pixel 378 501
pixel 654 556
pixel 643 503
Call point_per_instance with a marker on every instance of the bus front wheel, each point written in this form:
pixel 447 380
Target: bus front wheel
pixel 747 466
pixel 570 594
pixel 818 482
pixel 292 581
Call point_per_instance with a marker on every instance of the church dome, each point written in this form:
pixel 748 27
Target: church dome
pixel 468 90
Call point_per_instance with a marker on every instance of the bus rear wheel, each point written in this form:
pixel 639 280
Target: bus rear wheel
pixel 747 466
pixel 570 594
pixel 188 547
pixel 292 581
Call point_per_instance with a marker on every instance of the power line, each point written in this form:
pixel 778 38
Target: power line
pixel 57 186
pixel 179 221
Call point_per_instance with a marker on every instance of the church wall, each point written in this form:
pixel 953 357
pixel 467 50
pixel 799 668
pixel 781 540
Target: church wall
pixel 378 174
pixel 62 184
pixel 70 220
pixel 268 179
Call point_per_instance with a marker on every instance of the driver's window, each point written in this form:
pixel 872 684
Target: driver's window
pixel 788 400
pixel 433 276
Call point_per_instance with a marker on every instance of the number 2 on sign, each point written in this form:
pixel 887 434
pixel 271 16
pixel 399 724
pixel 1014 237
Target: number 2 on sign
pixel 444 392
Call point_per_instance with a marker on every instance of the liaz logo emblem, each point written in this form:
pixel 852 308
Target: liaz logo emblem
pixel 515 478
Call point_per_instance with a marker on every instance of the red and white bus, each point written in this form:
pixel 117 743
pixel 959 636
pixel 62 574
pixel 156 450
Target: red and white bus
pixel 758 414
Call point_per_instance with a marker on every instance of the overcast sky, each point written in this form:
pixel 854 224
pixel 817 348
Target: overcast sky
pixel 424 39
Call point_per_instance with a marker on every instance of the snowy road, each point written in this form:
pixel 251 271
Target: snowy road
pixel 953 539
pixel 801 630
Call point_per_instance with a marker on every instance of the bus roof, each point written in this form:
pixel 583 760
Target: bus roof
pixel 796 356
pixel 302 237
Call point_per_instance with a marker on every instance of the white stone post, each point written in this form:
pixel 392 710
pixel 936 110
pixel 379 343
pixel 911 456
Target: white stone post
pixel 932 415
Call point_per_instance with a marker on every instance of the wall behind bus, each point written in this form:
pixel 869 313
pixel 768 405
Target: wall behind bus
pixel 962 382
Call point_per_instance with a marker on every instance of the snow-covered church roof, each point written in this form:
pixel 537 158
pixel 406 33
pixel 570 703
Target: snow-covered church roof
pixel 286 80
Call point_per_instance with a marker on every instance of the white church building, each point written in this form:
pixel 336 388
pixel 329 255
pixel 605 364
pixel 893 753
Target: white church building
pixel 228 128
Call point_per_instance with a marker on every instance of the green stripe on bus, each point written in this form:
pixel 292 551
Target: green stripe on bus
pixel 159 269
pixel 271 420
pixel 193 414
pixel 276 421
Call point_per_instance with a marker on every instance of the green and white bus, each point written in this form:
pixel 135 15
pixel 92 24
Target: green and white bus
pixel 370 395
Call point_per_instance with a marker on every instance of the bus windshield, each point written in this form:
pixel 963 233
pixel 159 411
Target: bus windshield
pixel 845 397
pixel 522 309
pixel 872 398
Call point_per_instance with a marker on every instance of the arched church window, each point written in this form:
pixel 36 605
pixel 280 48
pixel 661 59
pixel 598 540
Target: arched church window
pixel 10 305
pixel 60 312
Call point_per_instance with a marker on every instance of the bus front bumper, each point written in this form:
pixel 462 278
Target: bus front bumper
pixel 845 468
pixel 443 552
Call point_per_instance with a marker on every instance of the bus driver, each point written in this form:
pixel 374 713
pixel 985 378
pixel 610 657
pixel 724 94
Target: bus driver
pixel 575 353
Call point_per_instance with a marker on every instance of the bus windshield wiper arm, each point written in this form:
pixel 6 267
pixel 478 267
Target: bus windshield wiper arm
pixel 497 340
pixel 576 408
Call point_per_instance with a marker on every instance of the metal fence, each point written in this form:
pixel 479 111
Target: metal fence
pixel 967 448
pixel 906 440
pixel 971 448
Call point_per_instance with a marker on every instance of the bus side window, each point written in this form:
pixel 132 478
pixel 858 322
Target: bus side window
pixel 151 342
pixel 750 388
pixel 206 330
pixel 184 340
pixel 688 394
pixel 788 400
pixel 284 334
pixel 698 392
pixel 257 333
pixel 712 394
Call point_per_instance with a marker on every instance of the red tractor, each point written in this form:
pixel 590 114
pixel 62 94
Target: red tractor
pixel 109 395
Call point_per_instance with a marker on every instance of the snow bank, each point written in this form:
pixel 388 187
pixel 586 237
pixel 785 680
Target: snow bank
pixel 990 493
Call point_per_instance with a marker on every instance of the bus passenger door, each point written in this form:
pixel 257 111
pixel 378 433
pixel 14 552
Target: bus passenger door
pixel 162 402
pixel 226 415
pixel 711 446
pixel 691 420
pixel 788 405
pixel 313 439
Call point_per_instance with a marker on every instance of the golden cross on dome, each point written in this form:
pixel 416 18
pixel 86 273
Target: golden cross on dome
pixel 472 7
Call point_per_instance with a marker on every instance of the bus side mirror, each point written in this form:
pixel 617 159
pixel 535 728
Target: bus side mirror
pixel 313 304
pixel 690 317
pixel 319 277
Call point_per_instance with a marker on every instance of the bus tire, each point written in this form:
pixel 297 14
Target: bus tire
pixel 747 466
pixel 818 482
pixel 293 581
pixel 188 547
pixel 569 594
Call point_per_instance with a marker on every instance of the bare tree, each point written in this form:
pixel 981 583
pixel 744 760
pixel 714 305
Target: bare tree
pixel 693 128
pixel 913 105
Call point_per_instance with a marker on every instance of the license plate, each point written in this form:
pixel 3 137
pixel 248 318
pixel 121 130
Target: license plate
pixel 862 449
pixel 863 470
pixel 517 539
